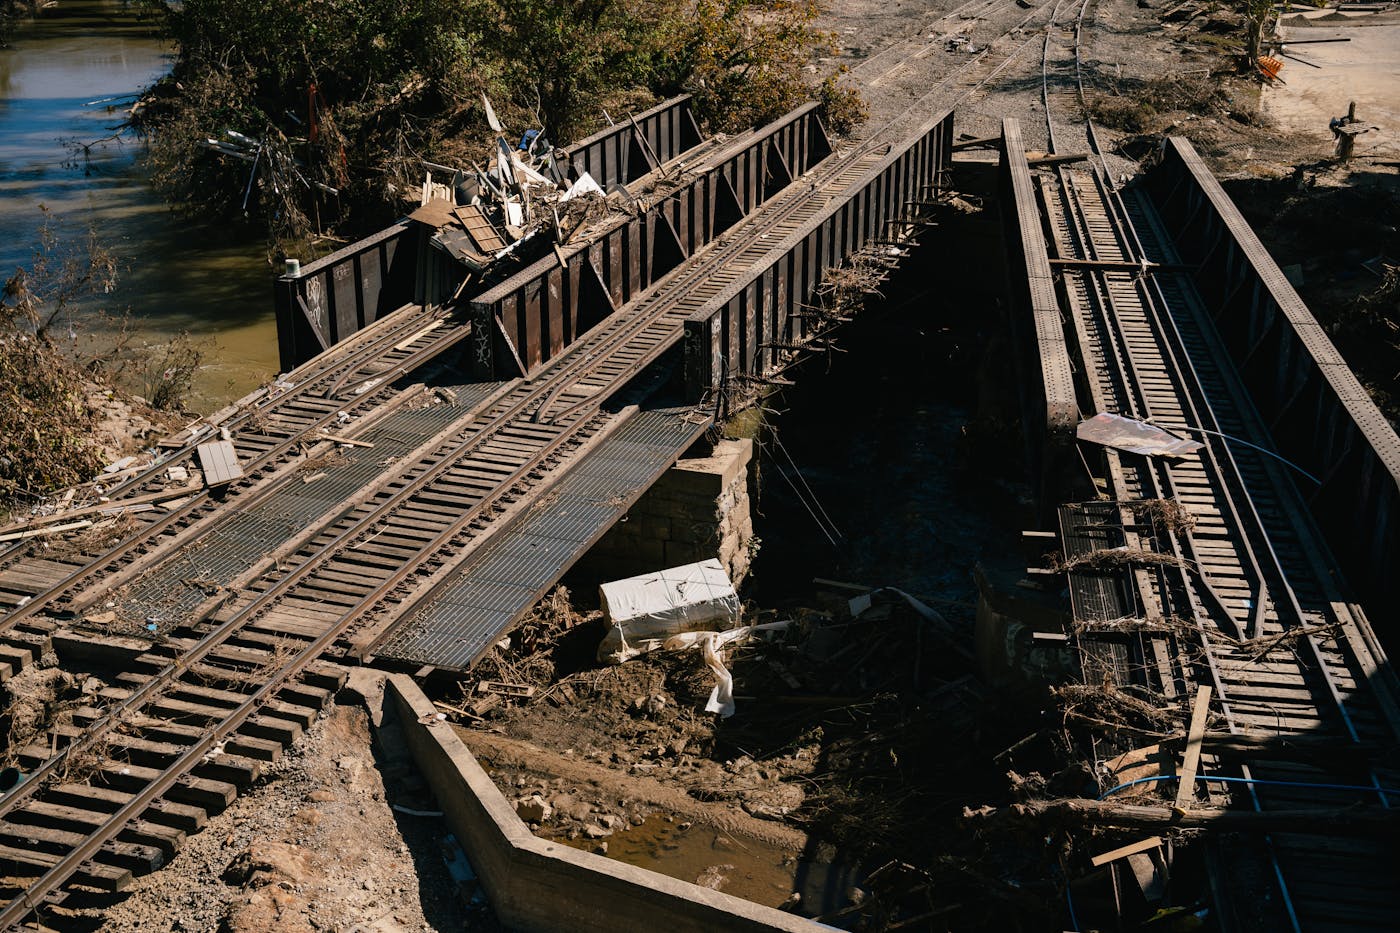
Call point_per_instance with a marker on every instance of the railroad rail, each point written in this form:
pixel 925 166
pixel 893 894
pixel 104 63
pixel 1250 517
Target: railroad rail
pixel 1225 581
pixel 335 397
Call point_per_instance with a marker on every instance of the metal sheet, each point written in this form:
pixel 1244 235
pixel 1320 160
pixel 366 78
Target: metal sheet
pixel 521 562
pixel 1135 437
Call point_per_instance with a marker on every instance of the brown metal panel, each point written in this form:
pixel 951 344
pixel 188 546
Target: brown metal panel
pixel 531 342
pixel 632 234
pixel 344 303
pixel 483 349
pixel 614 270
pixel 765 323
pixel 554 314
pixel 731 325
pixel 743 330
pixel 572 292
pixel 371 277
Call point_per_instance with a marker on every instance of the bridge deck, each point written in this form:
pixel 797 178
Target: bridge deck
pixel 468 612
pixel 1224 580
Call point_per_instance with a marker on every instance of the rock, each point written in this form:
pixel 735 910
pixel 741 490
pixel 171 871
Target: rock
pixel 573 808
pixel 714 877
pixel 773 803
pixel 265 862
pixel 321 796
pixel 654 704
pixel 679 746
pixel 601 849
pixel 594 831
pixel 309 816
pixel 349 768
pixel 609 821
pixel 533 809
pixel 265 909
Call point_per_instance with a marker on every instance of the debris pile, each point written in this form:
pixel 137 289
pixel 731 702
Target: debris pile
pixel 857 727
pixel 482 215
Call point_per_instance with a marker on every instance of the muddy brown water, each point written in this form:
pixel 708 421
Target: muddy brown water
pixel 176 274
pixel 744 867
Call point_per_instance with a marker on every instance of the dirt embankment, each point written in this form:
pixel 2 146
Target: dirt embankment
pixel 317 846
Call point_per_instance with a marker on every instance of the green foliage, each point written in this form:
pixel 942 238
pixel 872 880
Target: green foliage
pixel 742 59
pixel 45 419
pixel 842 107
pixel 170 373
pixel 1257 15
pixel 559 55
pixel 345 96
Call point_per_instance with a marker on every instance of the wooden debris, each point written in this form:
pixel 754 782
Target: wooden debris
pixel 404 343
pixel 525 691
pixel 220 463
pixel 323 436
pixel 1142 845
pixel 44 531
pixel 1347 821
pixel 108 508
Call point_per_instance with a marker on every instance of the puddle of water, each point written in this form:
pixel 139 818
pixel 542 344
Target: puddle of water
pixel 740 866
pixel 175 275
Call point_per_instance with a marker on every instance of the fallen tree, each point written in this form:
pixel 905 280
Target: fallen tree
pixel 1077 812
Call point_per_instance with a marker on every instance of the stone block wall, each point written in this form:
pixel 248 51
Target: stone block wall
pixel 698 509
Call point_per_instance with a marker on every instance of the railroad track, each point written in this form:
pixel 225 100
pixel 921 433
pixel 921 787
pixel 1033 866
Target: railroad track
pixel 336 396
pixel 893 61
pixel 189 704
pixel 1245 597
pixel 228 681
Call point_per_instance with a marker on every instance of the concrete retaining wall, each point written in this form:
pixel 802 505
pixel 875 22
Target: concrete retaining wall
pixel 536 885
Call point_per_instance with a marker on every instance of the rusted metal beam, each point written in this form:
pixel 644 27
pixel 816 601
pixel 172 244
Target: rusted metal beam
pixel 743 330
pixel 550 304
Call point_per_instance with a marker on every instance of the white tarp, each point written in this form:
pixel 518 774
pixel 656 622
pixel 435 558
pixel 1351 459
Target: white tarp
pixel 722 696
pixel 654 606
pixel 584 185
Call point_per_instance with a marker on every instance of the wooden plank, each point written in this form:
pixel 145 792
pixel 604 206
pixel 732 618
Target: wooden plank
pixel 1142 845
pixel 45 531
pixel 435 213
pixel 220 463
pixel 1186 787
pixel 92 874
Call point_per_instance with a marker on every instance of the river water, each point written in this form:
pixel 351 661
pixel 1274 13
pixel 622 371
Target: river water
pixel 176 275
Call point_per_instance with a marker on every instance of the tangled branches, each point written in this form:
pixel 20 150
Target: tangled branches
pixel 1104 560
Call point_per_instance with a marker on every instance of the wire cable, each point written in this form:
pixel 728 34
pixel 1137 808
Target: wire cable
pixel 1230 779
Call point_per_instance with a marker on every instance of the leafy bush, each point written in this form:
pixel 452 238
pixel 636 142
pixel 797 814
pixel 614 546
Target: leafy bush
pixel 343 97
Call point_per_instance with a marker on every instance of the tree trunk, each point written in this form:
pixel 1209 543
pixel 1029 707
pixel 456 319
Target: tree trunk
pixel 1348 821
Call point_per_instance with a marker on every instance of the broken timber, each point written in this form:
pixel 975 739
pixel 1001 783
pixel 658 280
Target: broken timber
pixel 1345 821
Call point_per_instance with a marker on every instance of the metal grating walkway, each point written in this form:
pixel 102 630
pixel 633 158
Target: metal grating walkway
pixel 520 563
pixel 175 588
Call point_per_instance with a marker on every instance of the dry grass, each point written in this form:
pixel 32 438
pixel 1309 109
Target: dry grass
pixel 1105 560
pixel 100 537
pixel 1167 513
